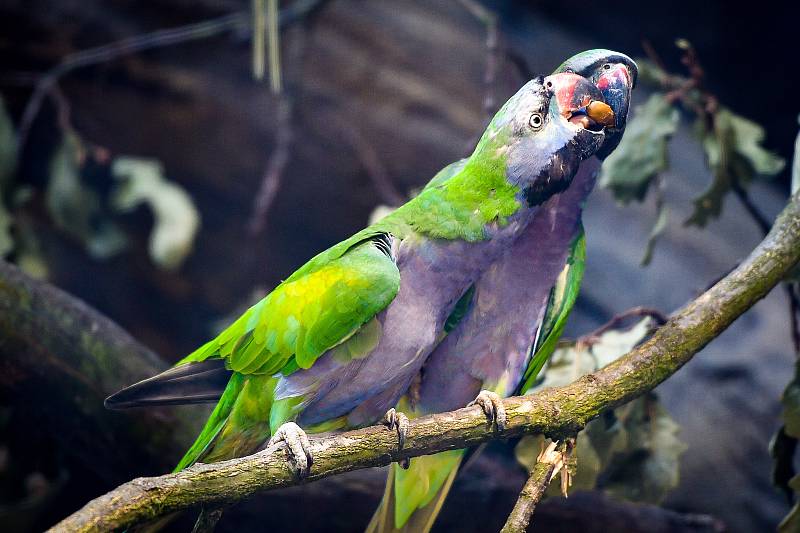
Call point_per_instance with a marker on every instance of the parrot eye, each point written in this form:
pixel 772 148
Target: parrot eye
pixel 536 121
pixel 607 66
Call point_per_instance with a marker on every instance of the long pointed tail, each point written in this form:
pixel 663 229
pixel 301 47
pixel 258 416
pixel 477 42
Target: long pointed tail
pixel 413 497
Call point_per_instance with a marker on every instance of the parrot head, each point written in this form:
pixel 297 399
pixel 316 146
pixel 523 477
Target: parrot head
pixel 615 75
pixel 545 131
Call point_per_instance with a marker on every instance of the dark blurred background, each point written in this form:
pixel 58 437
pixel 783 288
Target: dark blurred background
pixel 381 95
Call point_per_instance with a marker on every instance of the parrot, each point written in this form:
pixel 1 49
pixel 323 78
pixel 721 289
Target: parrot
pixel 511 318
pixel 336 344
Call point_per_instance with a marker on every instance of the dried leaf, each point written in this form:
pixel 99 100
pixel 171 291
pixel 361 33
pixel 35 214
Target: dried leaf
pixel 141 181
pixel 642 154
pixel 75 207
pixel 648 466
pixel 633 451
pixel 735 157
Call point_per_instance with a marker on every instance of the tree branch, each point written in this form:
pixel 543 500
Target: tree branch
pixel 548 464
pixel 558 413
pixel 51 341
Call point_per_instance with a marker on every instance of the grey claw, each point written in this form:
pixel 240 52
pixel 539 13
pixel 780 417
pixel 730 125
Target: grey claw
pixel 399 422
pixel 297 446
pixel 493 407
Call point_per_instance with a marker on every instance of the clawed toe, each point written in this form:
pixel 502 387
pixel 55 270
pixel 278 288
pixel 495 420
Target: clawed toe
pixel 297 446
pixel 493 407
pixel 398 422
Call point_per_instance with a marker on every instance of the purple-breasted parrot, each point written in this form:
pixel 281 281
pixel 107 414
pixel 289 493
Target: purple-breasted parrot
pixel 510 319
pixel 337 343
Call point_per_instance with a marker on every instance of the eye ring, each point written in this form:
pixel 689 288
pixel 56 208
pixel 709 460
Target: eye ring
pixel 536 121
pixel 607 66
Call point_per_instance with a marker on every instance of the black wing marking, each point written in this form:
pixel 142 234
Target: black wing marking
pixel 201 382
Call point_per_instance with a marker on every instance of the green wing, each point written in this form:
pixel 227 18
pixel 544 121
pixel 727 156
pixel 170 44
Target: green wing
pixel 322 305
pixel 559 306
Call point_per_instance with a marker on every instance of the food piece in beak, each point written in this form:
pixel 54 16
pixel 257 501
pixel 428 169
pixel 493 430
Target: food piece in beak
pixel 594 116
pixel 580 101
pixel 601 113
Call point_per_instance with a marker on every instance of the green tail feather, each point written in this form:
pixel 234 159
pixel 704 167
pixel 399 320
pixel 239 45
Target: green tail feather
pixel 214 424
pixel 413 497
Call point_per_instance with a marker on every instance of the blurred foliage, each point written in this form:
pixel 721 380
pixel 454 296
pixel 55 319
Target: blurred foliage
pixel 632 452
pixel 733 146
pixel 77 208
pixel 8 163
pixel 735 156
pixel 630 169
pixel 85 210
pixel 141 181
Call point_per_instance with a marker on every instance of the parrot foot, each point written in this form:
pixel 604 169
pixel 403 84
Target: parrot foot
pixel 398 422
pixel 297 446
pixel 493 406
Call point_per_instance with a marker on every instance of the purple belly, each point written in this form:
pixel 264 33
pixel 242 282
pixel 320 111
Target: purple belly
pixel 433 276
pixel 489 348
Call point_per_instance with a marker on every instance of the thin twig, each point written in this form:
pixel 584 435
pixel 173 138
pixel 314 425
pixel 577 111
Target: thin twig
pixel 751 208
pixel 557 412
pixel 548 464
pixel 259 37
pixel 284 135
pixel 373 165
pixel 653 55
pixel 234 22
pixel 489 19
pixel 278 159
pixel 208 519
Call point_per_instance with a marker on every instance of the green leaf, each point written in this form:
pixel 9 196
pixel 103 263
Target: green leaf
pixel 735 157
pixel 75 207
pixel 8 163
pixel 642 154
pixel 632 452
pixel 655 232
pixel 141 181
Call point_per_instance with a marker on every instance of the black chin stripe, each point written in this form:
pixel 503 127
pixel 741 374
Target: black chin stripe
pixel 540 191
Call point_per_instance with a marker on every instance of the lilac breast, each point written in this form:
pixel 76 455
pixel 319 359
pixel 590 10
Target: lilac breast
pixel 489 347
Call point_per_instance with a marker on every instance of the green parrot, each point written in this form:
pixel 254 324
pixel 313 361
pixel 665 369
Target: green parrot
pixel 510 319
pixel 337 343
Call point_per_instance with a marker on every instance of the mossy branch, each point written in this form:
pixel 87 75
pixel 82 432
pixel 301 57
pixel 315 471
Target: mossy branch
pixel 558 412
pixel 549 463
pixel 59 358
